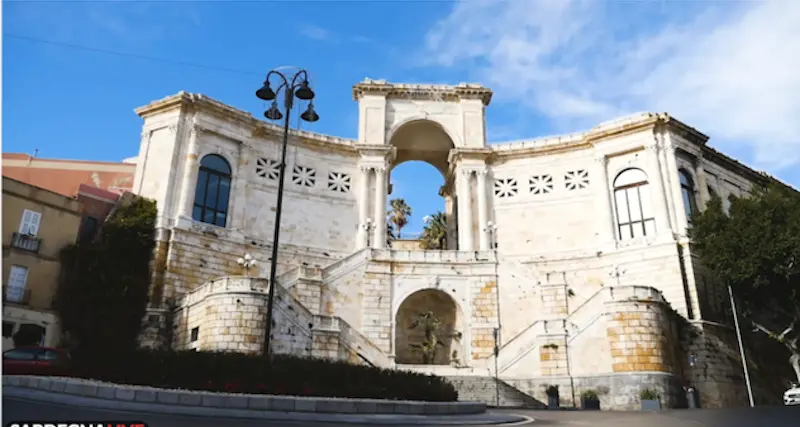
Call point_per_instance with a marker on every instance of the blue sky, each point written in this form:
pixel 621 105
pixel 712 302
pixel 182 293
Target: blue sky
pixel 727 68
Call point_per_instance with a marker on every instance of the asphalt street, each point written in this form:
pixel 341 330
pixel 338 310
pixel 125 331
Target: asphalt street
pixel 20 410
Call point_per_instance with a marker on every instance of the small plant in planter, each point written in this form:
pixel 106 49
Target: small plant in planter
pixel 590 400
pixel 553 400
pixel 650 400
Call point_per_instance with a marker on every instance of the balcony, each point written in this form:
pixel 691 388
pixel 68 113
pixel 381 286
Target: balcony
pixel 16 296
pixel 26 242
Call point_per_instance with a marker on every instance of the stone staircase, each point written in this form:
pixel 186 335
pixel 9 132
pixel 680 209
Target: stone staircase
pixel 488 389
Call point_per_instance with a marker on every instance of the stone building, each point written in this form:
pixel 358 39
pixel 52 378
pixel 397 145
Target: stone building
pixel 569 252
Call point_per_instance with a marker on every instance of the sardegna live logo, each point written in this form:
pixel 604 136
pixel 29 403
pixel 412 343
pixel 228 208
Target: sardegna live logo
pixel 76 424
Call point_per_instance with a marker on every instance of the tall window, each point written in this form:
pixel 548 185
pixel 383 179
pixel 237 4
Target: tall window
pixel 634 211
pixel 15 286
pixel 29 224
pixel 687 193
pixel 213 191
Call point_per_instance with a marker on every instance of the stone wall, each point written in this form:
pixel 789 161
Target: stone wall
pixel 228 315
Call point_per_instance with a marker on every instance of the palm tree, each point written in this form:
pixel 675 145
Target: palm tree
pixel 434 235
pixel 399 214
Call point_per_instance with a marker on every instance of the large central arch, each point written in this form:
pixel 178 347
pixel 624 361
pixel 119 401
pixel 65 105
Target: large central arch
pixel 445 308
pixel 420 139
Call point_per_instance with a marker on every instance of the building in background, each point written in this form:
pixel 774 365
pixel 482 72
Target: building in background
pixel 66 176
pixel 37 224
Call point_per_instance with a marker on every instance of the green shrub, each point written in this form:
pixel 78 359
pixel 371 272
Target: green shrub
pixel 248 373
pixel 589 395
pixel 648 394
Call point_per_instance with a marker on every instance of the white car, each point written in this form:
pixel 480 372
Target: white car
pixel 792 396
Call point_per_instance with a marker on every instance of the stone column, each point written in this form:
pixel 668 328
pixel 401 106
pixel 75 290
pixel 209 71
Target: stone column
pixel 659 198
pixel 379 239
pixel 465 236
pixel 702 182
pixel 363 209
pixel 672 171
pixel 605 218
pixel 190 171
pixel 483 211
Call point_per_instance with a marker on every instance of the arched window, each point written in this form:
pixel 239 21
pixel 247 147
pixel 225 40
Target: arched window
pixel 213 191
pixel 634 211
pixel 687 193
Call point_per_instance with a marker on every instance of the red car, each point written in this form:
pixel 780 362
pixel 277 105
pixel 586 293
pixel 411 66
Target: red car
pixel 36 361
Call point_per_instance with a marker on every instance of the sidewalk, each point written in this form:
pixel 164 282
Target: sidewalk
pixel 155 408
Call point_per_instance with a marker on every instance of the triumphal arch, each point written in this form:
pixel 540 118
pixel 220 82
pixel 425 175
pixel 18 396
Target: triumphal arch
pixel 566 260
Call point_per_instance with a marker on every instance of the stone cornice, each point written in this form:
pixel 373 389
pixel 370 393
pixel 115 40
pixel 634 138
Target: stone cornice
pixel 256 128
pixel 384 152
pixel 481 154
pixel 422 91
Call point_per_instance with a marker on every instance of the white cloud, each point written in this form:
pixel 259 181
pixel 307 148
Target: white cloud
pixel 731 69
pixel 314 32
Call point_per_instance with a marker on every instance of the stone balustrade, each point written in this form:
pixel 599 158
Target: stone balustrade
pixel 432 256
pixel 225 286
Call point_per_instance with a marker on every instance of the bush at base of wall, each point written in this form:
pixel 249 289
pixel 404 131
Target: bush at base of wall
pixel 246 373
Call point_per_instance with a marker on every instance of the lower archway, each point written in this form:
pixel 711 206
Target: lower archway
pixel 410 328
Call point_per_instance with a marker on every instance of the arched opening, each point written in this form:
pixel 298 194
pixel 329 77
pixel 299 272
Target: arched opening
pixel 634 211
pixel 418 177
pixel 412 320
pixel 213 191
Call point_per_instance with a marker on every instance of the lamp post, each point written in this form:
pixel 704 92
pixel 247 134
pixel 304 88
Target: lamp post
pixel 296 86
pixel 368 226
pixel 490 229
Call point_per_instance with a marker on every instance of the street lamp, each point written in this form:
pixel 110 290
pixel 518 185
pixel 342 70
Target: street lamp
pixel 490 229
pixel 295 87
pixel 368 226
pixel 247 262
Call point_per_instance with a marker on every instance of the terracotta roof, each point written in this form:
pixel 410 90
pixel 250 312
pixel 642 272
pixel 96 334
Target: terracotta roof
pixel 66 176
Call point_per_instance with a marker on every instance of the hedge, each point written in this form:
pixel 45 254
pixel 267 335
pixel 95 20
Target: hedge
pixel 247 373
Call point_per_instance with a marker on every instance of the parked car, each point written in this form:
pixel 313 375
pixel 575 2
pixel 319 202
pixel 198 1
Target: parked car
pixel 791 397
pixel 36 361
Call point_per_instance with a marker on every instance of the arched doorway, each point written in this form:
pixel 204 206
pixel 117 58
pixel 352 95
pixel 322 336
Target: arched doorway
pixel 425 141
pixel 410 328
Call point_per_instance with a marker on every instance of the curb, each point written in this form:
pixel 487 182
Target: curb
pixel 91 404
pixel 203 399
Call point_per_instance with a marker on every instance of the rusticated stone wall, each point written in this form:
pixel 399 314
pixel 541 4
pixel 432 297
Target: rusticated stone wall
pixel 641 335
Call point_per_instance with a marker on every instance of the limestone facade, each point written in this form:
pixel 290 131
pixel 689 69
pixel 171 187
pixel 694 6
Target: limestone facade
pixel 568 253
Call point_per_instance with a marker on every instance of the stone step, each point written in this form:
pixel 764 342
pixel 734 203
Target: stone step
pixel 488 389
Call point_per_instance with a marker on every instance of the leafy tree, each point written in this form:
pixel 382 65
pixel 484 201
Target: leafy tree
pixel 755 250
pixel 434 235
pixel 104 284
pixel 430 324
pixel 399 214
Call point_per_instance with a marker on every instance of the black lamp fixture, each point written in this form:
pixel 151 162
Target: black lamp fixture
pixel 296 87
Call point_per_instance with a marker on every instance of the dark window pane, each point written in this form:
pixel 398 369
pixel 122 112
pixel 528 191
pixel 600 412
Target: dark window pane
pixel 213 191
pixel 224 194
pixel 220 221
pixel 216 163
pixel 197 213
pixel 200 191
pixel 209 217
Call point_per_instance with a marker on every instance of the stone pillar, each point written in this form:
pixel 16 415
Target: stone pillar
pixel 483 211
pixel 605 219
pixel 190 171
pixel 659 198
pixel 379 239
pixel 702 183
pixel 465 236
pixel 363 209
pixel 672 171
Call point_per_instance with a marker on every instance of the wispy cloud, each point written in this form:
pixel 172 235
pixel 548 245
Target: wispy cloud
pixel 314 32
pixel 728 68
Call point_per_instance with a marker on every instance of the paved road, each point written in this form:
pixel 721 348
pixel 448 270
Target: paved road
pixel 17 410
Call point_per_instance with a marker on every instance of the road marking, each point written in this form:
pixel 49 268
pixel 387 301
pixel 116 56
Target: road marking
pixel 527 420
